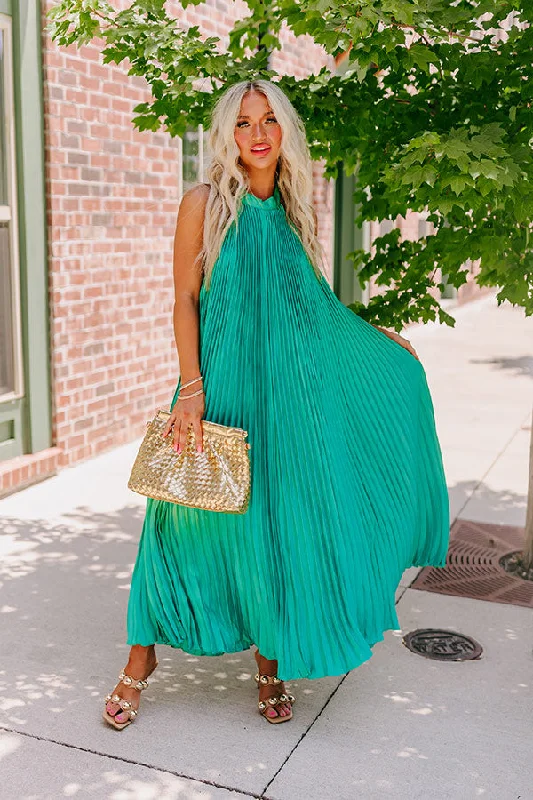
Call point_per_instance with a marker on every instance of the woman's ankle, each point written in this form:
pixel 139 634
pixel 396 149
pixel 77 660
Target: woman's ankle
pixel 141 657
pixel 267 666
pixel 142 651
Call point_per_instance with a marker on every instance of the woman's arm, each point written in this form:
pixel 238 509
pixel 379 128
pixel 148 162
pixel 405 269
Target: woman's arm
pixel 188 280
pixel 397 338
pixel 188 276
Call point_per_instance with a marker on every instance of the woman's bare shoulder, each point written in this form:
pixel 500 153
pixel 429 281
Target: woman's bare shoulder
pixel 197 194
pixel 193 202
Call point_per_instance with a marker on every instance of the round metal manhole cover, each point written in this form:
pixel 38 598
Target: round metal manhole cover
pixel 442 645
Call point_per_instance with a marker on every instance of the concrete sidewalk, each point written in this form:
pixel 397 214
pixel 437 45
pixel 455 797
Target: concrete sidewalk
pixel 400 726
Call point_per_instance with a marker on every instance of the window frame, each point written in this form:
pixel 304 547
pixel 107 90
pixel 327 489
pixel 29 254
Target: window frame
pixel 200 177
pixel 26 422
pixel 8 213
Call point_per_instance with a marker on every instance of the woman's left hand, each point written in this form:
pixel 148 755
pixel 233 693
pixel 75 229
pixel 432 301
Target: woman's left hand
pixel 400 340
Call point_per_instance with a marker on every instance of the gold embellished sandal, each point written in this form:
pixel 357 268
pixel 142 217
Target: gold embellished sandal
pixel 125 705
pixel 270 702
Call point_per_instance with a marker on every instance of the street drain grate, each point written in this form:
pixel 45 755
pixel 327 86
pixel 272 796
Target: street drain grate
pixel 442 645
pixel 473 566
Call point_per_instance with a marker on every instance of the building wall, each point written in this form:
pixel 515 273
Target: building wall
pixel 113 197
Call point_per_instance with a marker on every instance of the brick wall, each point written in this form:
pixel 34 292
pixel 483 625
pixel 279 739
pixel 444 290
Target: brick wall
pixel 112 201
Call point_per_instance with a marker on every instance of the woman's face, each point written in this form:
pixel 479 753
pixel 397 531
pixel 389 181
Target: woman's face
pixel 257 133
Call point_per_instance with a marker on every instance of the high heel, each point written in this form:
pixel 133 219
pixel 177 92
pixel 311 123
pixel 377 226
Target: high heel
pixel 264 705
pixel 270 702
pixel 125 705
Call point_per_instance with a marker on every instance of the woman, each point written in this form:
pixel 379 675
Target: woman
pixel 348 487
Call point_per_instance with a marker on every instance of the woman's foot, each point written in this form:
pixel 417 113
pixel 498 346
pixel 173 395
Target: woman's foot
pixel 141 663
pixel 267 690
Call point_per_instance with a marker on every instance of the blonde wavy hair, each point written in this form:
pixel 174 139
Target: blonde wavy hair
pixel 229 181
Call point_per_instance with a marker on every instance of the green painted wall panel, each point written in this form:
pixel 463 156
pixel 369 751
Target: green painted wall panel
pixel 5 7
pixel 347 238
pixel 29 120
pixel 11 429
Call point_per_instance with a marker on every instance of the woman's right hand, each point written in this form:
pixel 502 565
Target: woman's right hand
pixel 186 412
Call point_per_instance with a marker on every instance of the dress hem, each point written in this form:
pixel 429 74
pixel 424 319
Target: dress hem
pixel 242 647
pixel 309 675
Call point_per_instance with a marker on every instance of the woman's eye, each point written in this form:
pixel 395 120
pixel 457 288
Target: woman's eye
pixel 244 122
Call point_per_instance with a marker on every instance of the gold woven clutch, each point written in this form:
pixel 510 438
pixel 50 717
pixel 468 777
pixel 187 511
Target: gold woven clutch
pixel 217 479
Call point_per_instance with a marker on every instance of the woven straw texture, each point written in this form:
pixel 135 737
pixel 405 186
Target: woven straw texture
pixel 216 479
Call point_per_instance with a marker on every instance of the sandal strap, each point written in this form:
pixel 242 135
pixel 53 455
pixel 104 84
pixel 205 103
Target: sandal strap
pixel 127 680
pixel 265 679
pixel 125 705
pixel 273 701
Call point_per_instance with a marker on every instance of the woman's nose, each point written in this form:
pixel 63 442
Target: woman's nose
pixel 258 131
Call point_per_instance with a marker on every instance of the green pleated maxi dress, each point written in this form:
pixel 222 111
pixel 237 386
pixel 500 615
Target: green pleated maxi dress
pixel 347 480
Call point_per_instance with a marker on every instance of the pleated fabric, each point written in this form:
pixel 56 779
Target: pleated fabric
pixel 347 481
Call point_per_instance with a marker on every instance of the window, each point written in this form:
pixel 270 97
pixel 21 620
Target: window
pixel 10 325
pixel 194 158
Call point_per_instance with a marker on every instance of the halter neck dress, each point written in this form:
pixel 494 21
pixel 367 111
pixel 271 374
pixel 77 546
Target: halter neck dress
pixel 347 480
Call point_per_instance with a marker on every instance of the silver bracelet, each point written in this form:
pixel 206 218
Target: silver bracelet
pixel 185 396
pixel 191 382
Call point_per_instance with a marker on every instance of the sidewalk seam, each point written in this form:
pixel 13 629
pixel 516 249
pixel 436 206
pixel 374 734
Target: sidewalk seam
pixel 244 792
pixel 492 464
pixel 304 734
pixel 263 795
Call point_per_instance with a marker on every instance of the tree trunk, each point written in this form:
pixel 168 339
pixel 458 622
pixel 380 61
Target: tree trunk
pixel 528 547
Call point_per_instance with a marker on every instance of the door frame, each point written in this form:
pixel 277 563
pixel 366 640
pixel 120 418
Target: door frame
pixel 30 417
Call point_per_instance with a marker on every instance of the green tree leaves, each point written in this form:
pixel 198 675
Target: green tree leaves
pixel 434 110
